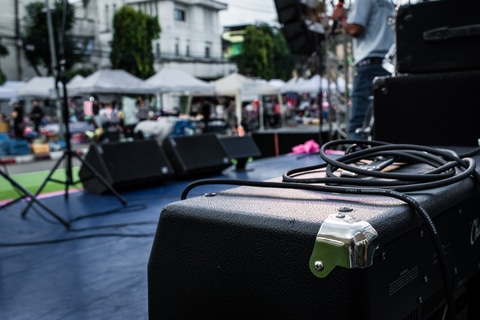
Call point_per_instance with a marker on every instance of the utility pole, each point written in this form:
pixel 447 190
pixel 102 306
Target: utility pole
pixel 53 54
pixel 18 43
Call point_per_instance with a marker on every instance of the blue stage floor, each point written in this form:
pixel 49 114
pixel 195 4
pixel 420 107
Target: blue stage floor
pixel 89 272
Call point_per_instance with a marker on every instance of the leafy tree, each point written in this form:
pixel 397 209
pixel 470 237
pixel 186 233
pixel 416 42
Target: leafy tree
pixel 265 54
pixel 133 33
pixel 256 56
pixel 3 53
pixel 282 60
pixel 36 36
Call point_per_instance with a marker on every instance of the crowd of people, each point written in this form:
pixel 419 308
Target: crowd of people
pixel 18 123
pixel 365 21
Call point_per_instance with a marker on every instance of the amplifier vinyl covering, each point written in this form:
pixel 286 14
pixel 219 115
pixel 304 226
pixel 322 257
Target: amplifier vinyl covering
pixel 244 253
pixel 438 36
pixel 437 109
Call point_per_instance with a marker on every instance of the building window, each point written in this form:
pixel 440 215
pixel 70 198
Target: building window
pixel 187 51
pixel 179 14
pixel 177 49
pixel 83 45
pixel 157 50
pixel 207 51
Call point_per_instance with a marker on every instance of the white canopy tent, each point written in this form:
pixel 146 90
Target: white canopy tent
pixel 279 83
pixel 9 93
pixel 245 89
pixel 313 85
pixel 173 80
pixel 38 87
pixel 9 90
pixel 75 81
pixel 108 81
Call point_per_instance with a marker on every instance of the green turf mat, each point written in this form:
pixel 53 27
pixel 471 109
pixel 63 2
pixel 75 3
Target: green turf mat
pixel 32 181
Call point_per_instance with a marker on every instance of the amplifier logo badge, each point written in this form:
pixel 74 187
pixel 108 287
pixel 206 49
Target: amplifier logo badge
pixel 475 232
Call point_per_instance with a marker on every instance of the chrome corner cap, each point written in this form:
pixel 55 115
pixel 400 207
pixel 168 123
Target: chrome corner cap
pixel 343 241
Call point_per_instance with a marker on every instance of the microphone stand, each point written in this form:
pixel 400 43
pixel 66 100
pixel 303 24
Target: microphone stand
pixel 68 154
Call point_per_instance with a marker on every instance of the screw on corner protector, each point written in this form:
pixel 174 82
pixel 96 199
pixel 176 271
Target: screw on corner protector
pixel 210 194
pixel 319 266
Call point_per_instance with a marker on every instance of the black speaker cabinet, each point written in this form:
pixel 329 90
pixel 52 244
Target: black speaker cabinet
pixel 196 155
pixel 293 15
pixel 125 165
pixel 240 149
pixel 265 253
pixel 289 11
pixel 439 109
pixel 438 36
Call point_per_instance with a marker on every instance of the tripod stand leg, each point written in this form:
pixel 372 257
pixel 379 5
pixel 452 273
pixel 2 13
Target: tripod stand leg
pixel 11 202
pixel 25 210
pixel 32 198
pixel 69 181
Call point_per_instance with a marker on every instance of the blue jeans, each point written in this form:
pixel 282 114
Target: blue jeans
pixel 361 93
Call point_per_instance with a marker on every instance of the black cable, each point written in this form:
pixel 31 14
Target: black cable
pixel 123 209
pixel 32 243
pixel 443 165
pixel 116 226
pixel 447 168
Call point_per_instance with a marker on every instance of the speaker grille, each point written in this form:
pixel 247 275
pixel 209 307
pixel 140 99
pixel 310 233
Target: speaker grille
pixel 125 165
pixel 194 155
pixel 240 147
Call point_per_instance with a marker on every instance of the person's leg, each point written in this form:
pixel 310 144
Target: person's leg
pixel 361 94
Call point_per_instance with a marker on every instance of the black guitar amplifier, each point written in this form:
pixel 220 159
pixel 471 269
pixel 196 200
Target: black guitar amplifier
pixel 436 109
pixel 267 253
pixel 438 36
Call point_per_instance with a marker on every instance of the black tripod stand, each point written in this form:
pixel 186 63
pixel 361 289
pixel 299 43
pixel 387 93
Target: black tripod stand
pixel 25 194
pixel 68 153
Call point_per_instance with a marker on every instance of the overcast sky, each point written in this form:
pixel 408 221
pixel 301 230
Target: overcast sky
pixel 251 11
pixel 247 12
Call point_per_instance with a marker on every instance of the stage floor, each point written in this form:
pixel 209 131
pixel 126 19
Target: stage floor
pixel 98 268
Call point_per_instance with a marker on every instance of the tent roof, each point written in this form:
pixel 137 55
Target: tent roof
pixel 313 85
pixel 175 80
pixel 9 90
pixel 111 82
pixel 233 83
pixel 276 83
pixel 75 80
pixel 37 87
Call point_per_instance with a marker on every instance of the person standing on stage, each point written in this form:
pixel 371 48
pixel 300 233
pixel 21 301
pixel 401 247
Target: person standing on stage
pixel 367 23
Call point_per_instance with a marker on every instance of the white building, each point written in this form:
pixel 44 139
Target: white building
pixel 190 38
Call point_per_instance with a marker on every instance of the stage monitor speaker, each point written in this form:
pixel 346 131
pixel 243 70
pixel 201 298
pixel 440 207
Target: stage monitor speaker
pixel 438 109
pixel 303 37
pixel 265 253
pixel 125 165
pixel 240 149
pixel 300 39
pixel 196 155
pixel 289 11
